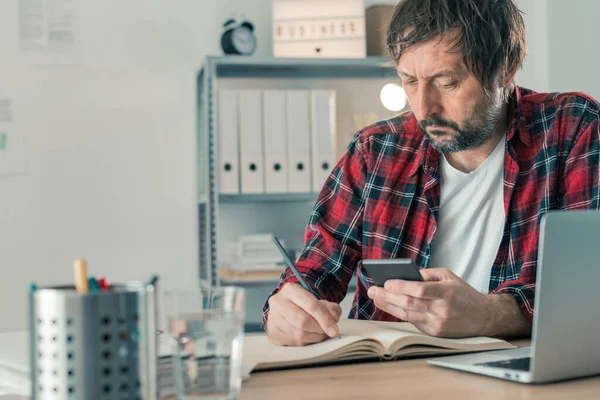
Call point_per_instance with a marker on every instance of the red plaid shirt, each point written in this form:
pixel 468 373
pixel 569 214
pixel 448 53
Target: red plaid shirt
pixel 382 198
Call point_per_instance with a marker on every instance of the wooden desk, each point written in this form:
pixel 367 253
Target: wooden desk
pixel 407 379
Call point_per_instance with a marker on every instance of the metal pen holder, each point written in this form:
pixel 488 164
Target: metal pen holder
pixel 97 345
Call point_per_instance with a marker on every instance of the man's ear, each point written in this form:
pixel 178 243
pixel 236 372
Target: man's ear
pixel 507 77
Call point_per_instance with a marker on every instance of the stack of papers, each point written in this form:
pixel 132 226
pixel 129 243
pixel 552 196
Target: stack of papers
pixel 254 253
pixel 14 364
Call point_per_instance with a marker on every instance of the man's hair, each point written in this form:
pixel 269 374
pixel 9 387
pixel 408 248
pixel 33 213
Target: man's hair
pixel 490 33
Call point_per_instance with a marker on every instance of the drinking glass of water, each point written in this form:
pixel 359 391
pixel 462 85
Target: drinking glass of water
pixel 207 330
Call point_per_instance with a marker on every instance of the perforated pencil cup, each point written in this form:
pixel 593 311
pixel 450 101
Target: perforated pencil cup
pixel 97 345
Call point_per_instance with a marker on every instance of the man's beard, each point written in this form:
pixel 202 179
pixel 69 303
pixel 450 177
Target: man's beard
pixel 478 128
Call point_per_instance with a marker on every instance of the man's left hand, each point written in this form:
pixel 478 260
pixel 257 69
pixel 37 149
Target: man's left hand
pixel 443 305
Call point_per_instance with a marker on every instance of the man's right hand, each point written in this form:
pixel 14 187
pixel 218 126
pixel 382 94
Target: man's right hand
pixel 297 318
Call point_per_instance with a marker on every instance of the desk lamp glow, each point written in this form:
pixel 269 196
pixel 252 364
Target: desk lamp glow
pixel 393 97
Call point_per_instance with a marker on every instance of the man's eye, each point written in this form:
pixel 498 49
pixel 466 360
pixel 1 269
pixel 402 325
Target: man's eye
pixel 449 86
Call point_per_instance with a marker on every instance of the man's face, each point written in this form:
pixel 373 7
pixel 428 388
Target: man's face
pixel 449 103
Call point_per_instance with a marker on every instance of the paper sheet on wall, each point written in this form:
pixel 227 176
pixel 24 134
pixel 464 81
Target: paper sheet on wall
pixel 48 30
pixel 11 149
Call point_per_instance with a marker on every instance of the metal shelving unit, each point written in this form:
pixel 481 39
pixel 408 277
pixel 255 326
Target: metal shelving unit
pixel 242 69
pixel 357 82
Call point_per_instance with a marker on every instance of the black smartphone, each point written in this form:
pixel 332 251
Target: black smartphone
pixel 395 268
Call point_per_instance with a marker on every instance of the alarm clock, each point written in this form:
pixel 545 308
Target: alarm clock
pixel 238 38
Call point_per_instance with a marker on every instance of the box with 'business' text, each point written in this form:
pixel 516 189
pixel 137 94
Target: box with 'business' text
pixel 319 28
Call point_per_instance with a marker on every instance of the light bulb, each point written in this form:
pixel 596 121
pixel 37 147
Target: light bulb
pixel 393 97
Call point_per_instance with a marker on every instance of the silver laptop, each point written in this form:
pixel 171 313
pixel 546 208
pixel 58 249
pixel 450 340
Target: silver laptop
pixel 566 323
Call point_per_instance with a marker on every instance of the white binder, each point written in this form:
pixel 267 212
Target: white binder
pixel 229 166
pixel 323 127
pixel 275 137
pixel 251 142
pixel 298 141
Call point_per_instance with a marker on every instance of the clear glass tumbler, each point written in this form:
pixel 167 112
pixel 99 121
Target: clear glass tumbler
pixel 207 328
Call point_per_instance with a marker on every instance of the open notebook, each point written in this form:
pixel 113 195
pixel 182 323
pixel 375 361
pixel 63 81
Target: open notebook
pixel 361 340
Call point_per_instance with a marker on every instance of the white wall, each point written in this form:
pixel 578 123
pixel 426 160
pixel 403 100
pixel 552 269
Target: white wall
pixel 109 147
pixel 574 49
pixel 535 74
pixel 562 43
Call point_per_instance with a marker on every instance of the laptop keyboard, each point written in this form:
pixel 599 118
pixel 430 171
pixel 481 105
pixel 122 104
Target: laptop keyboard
pixel 521 364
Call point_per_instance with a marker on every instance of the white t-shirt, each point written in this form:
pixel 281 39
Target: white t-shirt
pixel 471 219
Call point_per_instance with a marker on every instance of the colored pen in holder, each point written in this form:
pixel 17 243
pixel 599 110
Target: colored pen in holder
pixel 96 344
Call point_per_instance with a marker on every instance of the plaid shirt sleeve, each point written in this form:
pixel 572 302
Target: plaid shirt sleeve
pixel 333 236
pixel 578 186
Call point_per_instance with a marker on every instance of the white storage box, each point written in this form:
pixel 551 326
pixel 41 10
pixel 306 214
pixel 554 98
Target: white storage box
pixel 319 28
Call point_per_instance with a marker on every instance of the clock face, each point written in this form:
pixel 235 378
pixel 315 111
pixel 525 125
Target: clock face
pixel 243 40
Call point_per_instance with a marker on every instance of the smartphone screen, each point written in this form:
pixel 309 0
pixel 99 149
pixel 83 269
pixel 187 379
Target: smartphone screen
pixel 395 268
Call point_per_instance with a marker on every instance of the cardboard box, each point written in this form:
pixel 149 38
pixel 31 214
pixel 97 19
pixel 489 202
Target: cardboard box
pixel 377 19
pixel 319 28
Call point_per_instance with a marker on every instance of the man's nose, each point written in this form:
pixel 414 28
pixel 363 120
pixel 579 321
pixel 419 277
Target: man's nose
pixel 426 103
